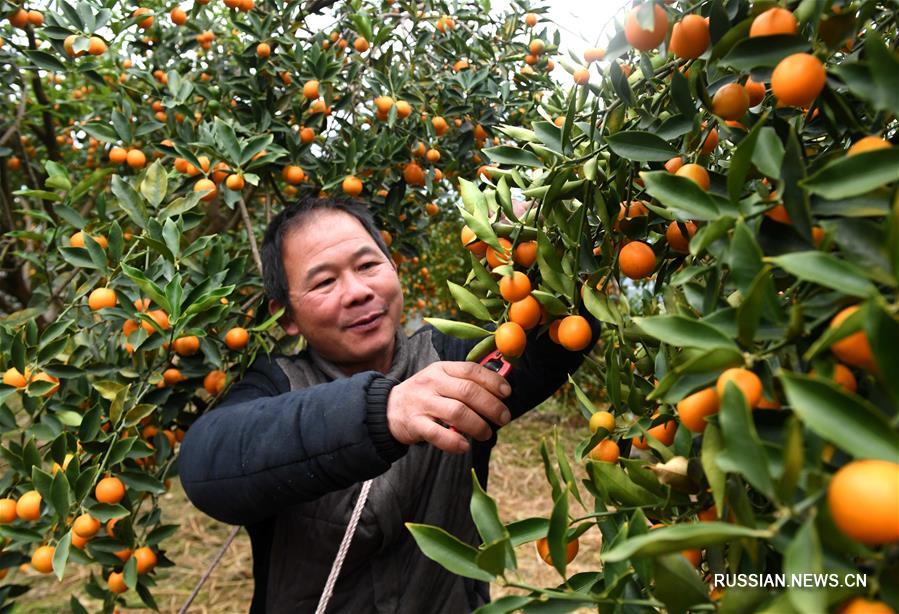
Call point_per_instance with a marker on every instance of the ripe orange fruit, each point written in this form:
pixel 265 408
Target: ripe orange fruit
pixel 574 333
pixel 674 164
pixel 636 260
pixel 553 331
pixel 495 258
pixel 690 37
pixel 510 339
pixel 693 409
pixel 109 490
pixel 383 104
pixel 594 54
pixel 310 89
pixel 116 582
pixel 855 349
pixel 77 240
pixel 696 174
pixel 101 298
pixel 214 382
pixel 471 243
pixel 186 346
pixel 235 182
pixel 19 18
pixel 860 605
pixel 160 317
pixel 432 209
pixel 179 17
pixel 43 377
pixel 78 541
pixel 403 109
pixel 136 158
pixel 842 376
pixel 515 287
pixel 146 559
pixel 461 65
pixel 294 175
pixel 360 44
pixel 711 141
pixel 663 432
pixel 42 559
pixel 263 50
pixel 352 185
pixel 530 19
pixel 863 497
pixel 602 419
pixel 756 92
pixel 86 526
pixel 12 377
pixel 237 338
pixel 526 312
pixel 868 143
pixel 433 155
pixel 747 381
pixel 440 125
pixel 570 552
pixel 694 556
pixel 7 511
pixel 676 238
pixel 581 76
pixel 606 451
pixel 413 174
pixel 172 376
pixel 28 507
pixel 118 155
pixel 96 46
pixel 146 22
pixel 208 186
pixel 774 21
pixel 731 101
pixel 645 40
pixel 525 253
pixel 124 554
pixel 798 79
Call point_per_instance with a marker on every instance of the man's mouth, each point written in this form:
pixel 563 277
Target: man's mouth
pixel 369 321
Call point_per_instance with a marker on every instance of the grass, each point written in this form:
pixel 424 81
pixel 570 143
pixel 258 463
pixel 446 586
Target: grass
pixel 517 482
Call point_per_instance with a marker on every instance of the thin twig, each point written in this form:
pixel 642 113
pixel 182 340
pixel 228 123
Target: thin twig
pixel 249 225
pixel 215 562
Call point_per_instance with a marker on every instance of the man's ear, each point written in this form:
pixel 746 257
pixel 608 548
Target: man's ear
pixel 286 321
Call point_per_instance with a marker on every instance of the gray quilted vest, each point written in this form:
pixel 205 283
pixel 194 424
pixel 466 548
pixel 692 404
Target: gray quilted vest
pixel 384 570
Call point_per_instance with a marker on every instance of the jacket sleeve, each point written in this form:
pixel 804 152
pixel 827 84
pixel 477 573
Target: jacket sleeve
pixel 262 449
pixel 540 371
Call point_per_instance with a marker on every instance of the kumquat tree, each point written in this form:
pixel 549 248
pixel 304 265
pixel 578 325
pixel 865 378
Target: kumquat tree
pixel 720 189
pixel 143 149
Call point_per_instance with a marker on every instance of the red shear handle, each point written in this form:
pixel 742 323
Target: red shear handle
pixel 495 362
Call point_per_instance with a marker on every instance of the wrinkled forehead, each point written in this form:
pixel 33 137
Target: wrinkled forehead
pixel 321 235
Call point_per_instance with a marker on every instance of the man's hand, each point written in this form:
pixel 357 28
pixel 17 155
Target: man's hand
pixel 460 394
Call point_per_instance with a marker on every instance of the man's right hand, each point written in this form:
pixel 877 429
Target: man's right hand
pixel 460 394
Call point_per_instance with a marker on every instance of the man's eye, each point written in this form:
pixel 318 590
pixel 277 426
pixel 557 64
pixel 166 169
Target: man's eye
pixel 322 283
pixel 368 265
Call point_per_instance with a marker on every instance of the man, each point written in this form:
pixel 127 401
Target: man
pixel 287 450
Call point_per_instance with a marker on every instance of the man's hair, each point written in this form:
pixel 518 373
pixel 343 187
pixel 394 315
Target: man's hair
pixel 293 217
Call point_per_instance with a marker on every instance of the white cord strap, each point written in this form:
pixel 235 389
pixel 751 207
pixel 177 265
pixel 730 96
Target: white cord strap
pixel 344 547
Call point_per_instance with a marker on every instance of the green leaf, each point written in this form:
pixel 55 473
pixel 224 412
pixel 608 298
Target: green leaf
pixel 505 154
pixel 527 530
pixel 826 270
pixel 846 420
pixel 803 556
pixel 227 140
pixel 677 584
pixel 681 331
pixel 743 452
pixel 856 174
pixel 712 446
pixel 150 289
pixel 619 486
pixel 680 94
pixel 60 494
pixel 61 554
pixel 680 537
pixel 485 514
pixel 742 160
pixel 129 201
pixel 639 146
pixel 154 185
pixel 557 535
pixel 793 459
pixel 882 332
pixel 452 554
pixel 768 153
pixel 468 302
pixel 680 194
pixel 764 51
pixel 460 330
pixel 180 205
pixel 45 60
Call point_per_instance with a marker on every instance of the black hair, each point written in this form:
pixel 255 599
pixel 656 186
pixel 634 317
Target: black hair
pixel 292 217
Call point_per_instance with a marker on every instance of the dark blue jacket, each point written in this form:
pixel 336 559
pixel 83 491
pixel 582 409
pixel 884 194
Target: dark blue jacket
pixel 266 448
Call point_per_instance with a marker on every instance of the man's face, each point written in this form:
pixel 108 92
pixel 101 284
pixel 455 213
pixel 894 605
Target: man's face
pixel 344 292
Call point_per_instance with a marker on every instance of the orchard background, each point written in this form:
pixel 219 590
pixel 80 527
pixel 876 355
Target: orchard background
pixel 718 189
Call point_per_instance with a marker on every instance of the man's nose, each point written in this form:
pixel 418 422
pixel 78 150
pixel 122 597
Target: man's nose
pixel 356 290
